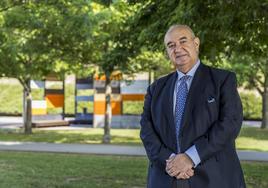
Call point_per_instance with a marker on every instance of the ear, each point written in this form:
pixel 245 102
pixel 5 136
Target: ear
pixel 197 43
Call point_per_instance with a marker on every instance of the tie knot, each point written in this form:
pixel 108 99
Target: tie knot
pixel 185 78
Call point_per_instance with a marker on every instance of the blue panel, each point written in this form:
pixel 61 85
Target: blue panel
pixel 81 116
pixel 85 98
pixel 84 86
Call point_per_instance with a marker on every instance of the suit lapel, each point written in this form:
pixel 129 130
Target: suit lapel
pixel 197 88
pixel 167 102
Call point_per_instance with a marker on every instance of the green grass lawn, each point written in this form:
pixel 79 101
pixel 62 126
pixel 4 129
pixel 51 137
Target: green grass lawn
pixel 83 136
pixel 249 139
pixel 253 139
pixel 42 170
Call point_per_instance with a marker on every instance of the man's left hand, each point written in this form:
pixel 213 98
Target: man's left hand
pixel 180 166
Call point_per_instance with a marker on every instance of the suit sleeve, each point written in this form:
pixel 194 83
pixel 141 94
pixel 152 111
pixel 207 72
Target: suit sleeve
pixel 227 127
pixel 156 151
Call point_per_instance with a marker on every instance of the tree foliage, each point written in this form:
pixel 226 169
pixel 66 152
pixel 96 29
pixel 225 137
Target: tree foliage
pixel 40 37
pixel 233 34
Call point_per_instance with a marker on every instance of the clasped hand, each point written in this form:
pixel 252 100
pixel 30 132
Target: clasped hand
pixel 180 166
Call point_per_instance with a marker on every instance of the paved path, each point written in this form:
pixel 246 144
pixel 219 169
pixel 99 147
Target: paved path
pixel 104 149
pixel 7 122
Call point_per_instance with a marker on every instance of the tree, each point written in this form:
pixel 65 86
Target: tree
pixel 230 31
pixel 38 38
pixel 113 49
pixel 238 33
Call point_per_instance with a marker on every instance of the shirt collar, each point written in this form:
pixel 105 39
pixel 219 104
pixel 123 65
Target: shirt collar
pixel 189 73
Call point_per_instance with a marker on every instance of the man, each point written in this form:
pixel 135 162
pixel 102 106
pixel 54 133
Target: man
pixel 190 121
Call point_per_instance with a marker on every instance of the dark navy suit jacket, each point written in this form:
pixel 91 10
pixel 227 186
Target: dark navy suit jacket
pixel 212 120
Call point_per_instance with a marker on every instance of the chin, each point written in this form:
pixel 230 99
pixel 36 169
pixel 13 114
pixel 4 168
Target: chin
pixel 181 64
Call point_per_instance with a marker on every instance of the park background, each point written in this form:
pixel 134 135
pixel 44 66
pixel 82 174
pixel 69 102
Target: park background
pixel 97 38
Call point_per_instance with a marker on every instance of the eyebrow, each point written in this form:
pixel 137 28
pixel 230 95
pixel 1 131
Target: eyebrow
pixel 169 43
pixel 182 38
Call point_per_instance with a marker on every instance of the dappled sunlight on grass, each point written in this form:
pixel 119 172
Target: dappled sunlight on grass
pixel 253 139
pixel 82 136
pixel 247 143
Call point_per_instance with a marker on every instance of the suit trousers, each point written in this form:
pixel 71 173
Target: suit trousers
pixel 180 184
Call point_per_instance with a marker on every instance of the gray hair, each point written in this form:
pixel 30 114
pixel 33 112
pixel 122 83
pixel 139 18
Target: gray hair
pixel 179 26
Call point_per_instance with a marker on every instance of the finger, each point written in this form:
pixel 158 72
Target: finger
pixel 169 168
pixel 190 172
pixel 169 171
pixel 174 173
pixel 168 165
pixel 170 159
pixel 186 176
pixel 179 176
pixel 183 176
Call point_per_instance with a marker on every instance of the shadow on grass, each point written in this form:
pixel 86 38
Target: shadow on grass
pixel 249 149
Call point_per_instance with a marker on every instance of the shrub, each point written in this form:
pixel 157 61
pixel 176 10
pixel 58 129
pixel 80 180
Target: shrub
pixel 252 105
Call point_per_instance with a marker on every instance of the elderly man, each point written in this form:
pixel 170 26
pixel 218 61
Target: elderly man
pixel 190 121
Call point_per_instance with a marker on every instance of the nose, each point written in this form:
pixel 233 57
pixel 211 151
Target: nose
pixel 177 47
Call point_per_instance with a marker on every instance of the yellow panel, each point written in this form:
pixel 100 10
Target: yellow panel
pixel 55 100
pixel 39 111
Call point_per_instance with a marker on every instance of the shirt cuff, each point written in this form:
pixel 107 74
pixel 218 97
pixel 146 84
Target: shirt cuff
pixel 193 154
pixel 172 155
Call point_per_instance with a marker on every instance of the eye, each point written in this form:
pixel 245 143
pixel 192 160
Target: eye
pixel 183 41
pixel 171 46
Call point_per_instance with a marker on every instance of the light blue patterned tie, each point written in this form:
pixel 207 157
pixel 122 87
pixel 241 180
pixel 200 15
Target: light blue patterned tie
pixel 181 96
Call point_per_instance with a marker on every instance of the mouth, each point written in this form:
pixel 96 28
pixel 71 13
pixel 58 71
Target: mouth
pixel 180 56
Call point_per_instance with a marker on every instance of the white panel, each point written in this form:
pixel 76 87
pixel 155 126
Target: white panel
pixel 39 104
pixel 135 87
pixel 99 84
pixel 37 84
pixel 119 121
pixel 115 83
pixel 138 76
pixel 99 97
pixel 98 120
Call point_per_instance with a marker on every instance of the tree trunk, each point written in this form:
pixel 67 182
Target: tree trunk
pixel 151 76
pixel 27 109
pixel 108 110
pixel 264 124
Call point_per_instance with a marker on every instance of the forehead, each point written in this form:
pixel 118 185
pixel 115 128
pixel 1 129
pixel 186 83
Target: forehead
pixel 177 34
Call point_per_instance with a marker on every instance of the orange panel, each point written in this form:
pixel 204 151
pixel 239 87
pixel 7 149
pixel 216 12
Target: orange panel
pixel 99 108
pixel 116 75
pixel 39 111
pixel 116 108
pixel 133 97
pixel 55 100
